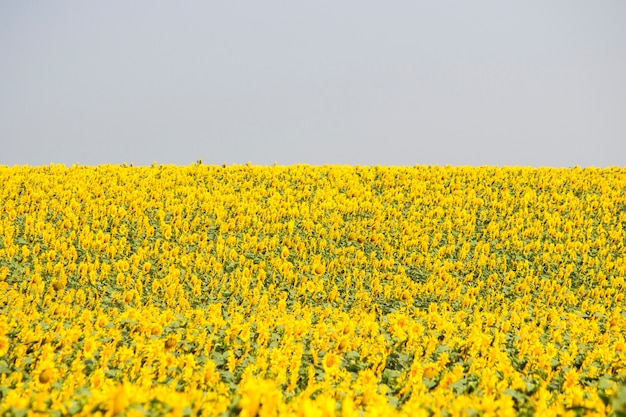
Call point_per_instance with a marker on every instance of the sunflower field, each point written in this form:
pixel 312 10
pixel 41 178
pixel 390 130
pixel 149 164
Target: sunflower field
pixel 312 291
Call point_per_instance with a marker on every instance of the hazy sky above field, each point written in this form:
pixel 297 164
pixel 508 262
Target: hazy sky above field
pixel 319 82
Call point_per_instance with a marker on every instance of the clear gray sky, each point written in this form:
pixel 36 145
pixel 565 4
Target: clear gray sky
pixel 539 83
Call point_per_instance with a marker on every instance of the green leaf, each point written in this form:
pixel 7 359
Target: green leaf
pixel 74 407
pixel 4 368
pixel 520 398
pixel 430 383
pixel 531 386
pixel 605 382
pixel 15 412
pixel 619 402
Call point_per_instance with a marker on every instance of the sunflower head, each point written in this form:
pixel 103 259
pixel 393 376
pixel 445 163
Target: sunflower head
pixel 319 269
pixel 170 342
pixel 46 375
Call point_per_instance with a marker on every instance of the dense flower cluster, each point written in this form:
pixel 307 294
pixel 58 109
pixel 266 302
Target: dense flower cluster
pixel 312 291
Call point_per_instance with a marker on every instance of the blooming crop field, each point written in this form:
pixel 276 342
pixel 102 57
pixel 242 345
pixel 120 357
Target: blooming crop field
pixel 312 291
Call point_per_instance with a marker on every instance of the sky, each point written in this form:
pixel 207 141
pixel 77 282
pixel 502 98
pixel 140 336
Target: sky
pixel 526 83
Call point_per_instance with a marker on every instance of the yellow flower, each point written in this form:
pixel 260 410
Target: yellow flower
pixel 25 253
pixel 58 285
pixel 331 360
pixel 570 379
pixel 4 345
pixel 129 296
pixel 319 269
pixel 156 330
pixel 431 370
pixel 46 375
pixel 250 403
pixel 170 342
pixel 118 400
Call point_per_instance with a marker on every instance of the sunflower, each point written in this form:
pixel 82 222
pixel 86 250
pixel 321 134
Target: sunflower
pixel 47 373
pixel 4 345
pixel 118 400
pixel 45 376
pixel 319 269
